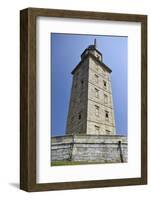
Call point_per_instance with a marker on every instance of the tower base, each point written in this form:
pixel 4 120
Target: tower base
pixel 89 148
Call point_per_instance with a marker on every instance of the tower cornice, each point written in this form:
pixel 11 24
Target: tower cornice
pixel 95 59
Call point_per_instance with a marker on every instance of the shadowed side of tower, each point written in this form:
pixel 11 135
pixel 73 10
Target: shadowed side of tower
pixel 77 114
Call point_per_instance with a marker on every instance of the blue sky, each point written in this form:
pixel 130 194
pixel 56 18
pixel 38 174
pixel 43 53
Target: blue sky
pixel 65 55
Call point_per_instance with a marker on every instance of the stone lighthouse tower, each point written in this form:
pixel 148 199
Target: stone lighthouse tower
pixel 91 109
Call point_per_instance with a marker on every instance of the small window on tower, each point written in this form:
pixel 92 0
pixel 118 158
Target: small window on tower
pixel 82 83
pixel 106 115
pixel 96 93
pixel 79 116
pixel 104 84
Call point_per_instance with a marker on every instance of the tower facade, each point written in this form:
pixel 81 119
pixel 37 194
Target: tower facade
pixel 91 109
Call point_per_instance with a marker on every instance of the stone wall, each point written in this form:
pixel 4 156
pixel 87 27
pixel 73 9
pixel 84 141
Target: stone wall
pixel 98 148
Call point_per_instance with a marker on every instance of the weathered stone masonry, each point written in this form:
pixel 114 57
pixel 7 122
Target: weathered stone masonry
pixel 98 148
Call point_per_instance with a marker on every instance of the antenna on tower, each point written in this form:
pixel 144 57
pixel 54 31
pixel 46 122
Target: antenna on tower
pixel 95 43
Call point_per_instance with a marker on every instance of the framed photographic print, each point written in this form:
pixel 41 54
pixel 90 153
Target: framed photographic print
pixel 83 99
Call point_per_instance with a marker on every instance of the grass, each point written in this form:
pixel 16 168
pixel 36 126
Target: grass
pixel 61 163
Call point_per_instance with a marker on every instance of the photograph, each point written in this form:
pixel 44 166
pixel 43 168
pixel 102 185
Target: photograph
pixel 89 100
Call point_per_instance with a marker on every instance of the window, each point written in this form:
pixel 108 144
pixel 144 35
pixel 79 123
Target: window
pixel 104 84
pixel 82 83
pixel 105 99
pixel 79 115
pixel 96 78
pixel 96 93
pixel 97 129
pixel 106 115
pixel 97 110
pixel 107 132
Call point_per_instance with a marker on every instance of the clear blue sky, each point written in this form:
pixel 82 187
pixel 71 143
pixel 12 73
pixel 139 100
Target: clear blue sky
pixel 65 54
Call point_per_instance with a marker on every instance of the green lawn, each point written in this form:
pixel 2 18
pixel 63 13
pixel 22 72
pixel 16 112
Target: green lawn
pixel 61 163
